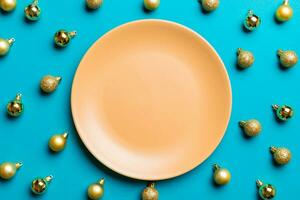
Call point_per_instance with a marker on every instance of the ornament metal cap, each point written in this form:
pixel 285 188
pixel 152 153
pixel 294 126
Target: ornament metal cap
pixel 18 165
pixel 58 78
pixel 242 123
pixel 18 97
pixel 216 167
pixel 151 184
pixel 48 179
pixel 101 181
pixel 280 52
pixel 239 50
pixel 273 149
pixel 11 41
pixel 259 183
pixel 286 2
pixel 72 34
pixel 65 135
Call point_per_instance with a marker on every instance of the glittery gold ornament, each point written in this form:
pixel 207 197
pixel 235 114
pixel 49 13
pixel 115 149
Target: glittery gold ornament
pixel 284 112
pixel 287 58
pixel 252 21
pixel 245 58
pixel 266 191
pixel 8 5
pixel 284 12
pixel 150 193
pixel 210 5
pixel 15 107
pixel 40 185
pixel 151 4
pixel 93 4
pixel 33 11
pixel 58 142
pixel 5 45
pixel 96 190
pixel 62 38
pixel 281 155
pixel 49 83
pixel 8 169
pixel 251 127
pixel 221 175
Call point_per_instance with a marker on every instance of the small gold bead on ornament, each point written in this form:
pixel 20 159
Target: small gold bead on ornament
pixel 150 193
pixel 58 142
pixel 93 4
pixel 284 12
pixel 251 127
pixel 15 107
pixel 221 175
pixel 33 11
pixel 281 155
pixel 287 58
pixel 252 21
pixel 283 112
pixel 151 4
pixel 265 191
pixel 9 169
pixel 40 185
pixel 5 45
pixel 62 38
pixel 210 5
pixel 245 58
pixel 49 83
pixel 8 5
pixel 96 190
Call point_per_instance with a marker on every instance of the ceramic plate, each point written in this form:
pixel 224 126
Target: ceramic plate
pixel 151 99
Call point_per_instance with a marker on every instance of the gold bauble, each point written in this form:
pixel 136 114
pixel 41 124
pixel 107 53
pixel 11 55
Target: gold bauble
pixel 210 5
pixel 283 112
pixel 5 45
pixel 96 190
pixel 15 107
pixel 252 21
pixel 93 4
pixel 39 185
pixel 49 83
pixel 33 11
pixel 8 5
pixel 281 155
pixel 266 191
pixel 287 58
pixel 150 193
pixel 62 38
pixel 251 127
pixel 58 142
pixel 245 58
pixel 221 175
pixel 151 4
pixel 8 169
pixel 284 12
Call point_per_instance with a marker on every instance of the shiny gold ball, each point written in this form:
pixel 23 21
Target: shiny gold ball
pixel 151 4
pixel 287 58
pixel 58 142
pixel 93 4
pixel 62 38
pixel 15 108
pixel 96 190
pixel 284 12
pixel 221 175
pixel 32 12
pixel 210 5
pixel 281 155
pixel 251 127
pixel 267 192
pixel 8 5
pixel 150 193
pixel 5 46
pixel 39 185
pixel 252 21
pixel 8 169
pixel 245 58
pixel 49 83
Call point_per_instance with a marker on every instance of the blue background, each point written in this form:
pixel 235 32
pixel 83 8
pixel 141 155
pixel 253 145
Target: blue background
pixel 254 90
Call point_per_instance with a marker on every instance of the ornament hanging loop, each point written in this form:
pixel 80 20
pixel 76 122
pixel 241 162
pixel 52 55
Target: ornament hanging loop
pixel 259 183
pixel 72 34
pixel 48 178
pixel 11 41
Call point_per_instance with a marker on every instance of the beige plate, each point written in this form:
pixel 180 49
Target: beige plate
pixel 151 99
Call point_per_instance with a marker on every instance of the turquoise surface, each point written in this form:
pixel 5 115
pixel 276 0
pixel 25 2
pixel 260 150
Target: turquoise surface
pixel 254 90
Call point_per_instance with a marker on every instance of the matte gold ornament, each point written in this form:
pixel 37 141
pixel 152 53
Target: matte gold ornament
pixel 150 193
pixel 5 45
pixel 8 5
pixel 58 142
pixel 151 4
pixel 210 5
pixel 93 4
pixel 9 169
pixel 40 185
pixel 266 191
pixel 96 190
pixel 49 83
pixel 284 12
pixel 287 58
pixel 252 21
pixel 62 38
pixel 33 11
pixel 281 155
pixel 221 175
pixel 15 107
pixel 283 112
pixel 251 127
pixel 245 58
